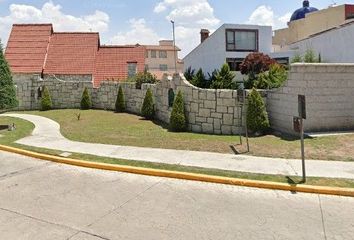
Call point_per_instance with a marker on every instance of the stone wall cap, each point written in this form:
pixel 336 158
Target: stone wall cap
pixel 323 64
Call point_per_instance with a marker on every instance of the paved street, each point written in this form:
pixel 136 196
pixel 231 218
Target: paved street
pixel 44 200
pixel 47 135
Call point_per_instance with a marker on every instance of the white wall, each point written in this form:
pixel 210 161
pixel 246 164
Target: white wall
pixel 211 54
pixel 335 46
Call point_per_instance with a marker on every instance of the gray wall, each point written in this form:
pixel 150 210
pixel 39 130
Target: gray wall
pixel 329 91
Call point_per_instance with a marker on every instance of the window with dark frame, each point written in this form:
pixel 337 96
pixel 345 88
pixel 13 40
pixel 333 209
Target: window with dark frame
pixel 234 63
pixel 163 67
pixel 153 53
pixel 162 54
pixel 242 40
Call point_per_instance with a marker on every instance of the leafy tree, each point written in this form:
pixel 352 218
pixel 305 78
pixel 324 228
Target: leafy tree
pixel 144 77
pixel 85 100
pixel 7 88
pixel 254 64
pixel 46 100
pixel 178 120
pixel 189 74
pixel 120 102
pixel 224 78
pixel 147 109
pixel 273 78
pixel 257 117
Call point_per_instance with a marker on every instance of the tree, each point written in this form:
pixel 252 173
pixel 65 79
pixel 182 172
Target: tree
pixel 144 77
pixel 147 109
pixel 257 117
pixel 189 74
pixel 224 78
pixel 254 64
pixel 178 121
pixel 85 100
pixel 46 100
pixel 199 80
pixel 297 58
pixel 120 102
pixel 7 88
pixel 273 78
pixel 310 56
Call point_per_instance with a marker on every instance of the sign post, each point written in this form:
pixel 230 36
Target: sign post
pixel 302 116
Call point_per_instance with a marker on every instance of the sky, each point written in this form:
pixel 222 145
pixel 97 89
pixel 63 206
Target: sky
pixel 148 21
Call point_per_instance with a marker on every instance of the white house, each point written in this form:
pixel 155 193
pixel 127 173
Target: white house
pixel 231 43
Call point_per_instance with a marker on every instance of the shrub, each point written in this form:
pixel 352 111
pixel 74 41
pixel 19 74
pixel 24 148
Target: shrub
pixel 7 87
pixel 297 58
pixel 224 78
pixel 199 80
pixel 144 77
pixel 120 102
pixel 257 117
pixel 273 78
pixel 189 74
pixel 147 110
pixel 178 121
pixel 256 63
pixel 46 101
pixel 310 56
pixel 85 100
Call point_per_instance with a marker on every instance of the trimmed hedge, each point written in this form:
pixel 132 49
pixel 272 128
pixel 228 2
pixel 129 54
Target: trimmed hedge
pixel 257 117
pixel 178 120
pixel 85 100
pixel 147 110
pixel 46 101
pixel 120 102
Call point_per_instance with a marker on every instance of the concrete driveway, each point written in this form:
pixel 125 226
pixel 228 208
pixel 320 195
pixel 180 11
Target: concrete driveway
pixel 44 200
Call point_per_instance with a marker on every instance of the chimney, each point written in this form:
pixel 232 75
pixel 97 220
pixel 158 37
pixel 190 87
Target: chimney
pixel 204 34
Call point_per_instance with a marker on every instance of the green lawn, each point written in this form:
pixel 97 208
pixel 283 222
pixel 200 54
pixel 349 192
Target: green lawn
pixel 24 128
pixel 107 127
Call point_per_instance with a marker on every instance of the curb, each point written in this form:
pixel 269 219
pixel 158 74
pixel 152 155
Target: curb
pixel 348 192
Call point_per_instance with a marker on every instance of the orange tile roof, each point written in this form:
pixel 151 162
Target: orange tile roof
pixel 27 47
pixel 72 53
pixel 112 62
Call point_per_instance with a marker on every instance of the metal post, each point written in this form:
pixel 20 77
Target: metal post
pixel 302 150
pixel 174 44
pixel 244 102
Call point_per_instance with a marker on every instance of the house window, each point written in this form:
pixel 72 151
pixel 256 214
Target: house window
pixel 132 69
pixel 163 67
pixel 234 63
pixel 162 54
pixel 153 53
pixel 242 40
pixel 146 54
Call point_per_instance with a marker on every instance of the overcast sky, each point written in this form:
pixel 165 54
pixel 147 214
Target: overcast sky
pixel 147 21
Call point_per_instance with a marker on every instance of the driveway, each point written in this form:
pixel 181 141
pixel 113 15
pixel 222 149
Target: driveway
pixel 45 200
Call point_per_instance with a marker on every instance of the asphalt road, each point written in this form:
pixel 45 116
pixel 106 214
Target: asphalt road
pixel 44 200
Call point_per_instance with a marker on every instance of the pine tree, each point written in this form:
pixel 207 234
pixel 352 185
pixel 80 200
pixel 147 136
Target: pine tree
pixel 7 88
pixel 224 78
pixel 85 100
pixel 46 100
pixel 120 102
pixel 257 117
pixel 147 109
pixel 178 121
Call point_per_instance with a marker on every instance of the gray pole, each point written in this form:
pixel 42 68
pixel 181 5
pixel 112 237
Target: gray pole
pixel 303 150
pixel 174 44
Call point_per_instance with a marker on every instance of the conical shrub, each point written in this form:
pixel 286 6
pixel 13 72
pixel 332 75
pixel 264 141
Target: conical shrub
pixel 178 121
pixel 85 100
pixel 120 102
pixel 257 117
pixel 147 110
pixel 7 88
pixel 46 101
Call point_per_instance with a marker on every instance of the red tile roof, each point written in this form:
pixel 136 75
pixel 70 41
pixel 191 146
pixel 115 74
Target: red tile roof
pixel 112 62
pixel 72 53
pixel 27 47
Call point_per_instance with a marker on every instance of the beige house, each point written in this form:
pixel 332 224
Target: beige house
pixel 162 58
pixel 308 21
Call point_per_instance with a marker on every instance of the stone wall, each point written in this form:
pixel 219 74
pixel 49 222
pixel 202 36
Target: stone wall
pixel 208 111
pixel 329 91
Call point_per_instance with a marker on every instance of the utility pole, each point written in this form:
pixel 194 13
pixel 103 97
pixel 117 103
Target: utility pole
pixel 174 44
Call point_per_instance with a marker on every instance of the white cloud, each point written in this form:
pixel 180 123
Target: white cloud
pixel 51 13
pixel 264 15
pixel 190 17
pixel 139 33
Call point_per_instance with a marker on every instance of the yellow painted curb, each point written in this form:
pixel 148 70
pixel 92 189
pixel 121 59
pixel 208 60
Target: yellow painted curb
pixel 186 176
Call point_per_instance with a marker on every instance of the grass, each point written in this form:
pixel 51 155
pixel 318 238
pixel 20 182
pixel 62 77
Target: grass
pixel 24 128
pixel 107 127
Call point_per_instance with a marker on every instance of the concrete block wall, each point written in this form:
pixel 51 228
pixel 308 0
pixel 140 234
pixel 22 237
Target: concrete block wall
pixel 329 91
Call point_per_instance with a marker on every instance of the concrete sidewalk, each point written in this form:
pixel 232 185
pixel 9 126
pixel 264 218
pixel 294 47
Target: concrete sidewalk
pixel 47 135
